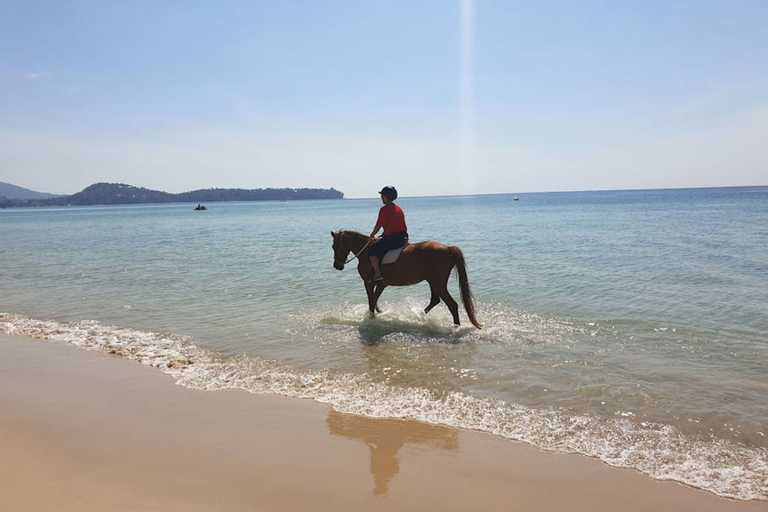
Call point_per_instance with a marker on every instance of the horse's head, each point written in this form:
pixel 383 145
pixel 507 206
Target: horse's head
pixel 340 251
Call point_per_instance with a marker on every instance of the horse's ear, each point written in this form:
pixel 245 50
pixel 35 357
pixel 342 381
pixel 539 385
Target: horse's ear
pixel 333 234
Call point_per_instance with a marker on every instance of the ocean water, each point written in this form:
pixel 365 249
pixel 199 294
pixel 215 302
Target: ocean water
pixel 629 326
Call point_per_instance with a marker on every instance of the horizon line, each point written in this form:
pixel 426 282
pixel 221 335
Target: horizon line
pixel 568 191
pixel 426 196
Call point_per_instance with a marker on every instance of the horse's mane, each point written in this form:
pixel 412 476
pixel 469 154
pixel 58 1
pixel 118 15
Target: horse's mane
pixel 355 234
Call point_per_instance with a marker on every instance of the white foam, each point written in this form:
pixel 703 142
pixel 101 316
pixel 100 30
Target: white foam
pixel 722 467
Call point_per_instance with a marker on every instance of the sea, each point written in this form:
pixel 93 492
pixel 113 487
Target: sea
pixel 627 326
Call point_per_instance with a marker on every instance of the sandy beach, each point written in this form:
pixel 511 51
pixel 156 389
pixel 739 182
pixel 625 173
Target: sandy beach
pixel 85 431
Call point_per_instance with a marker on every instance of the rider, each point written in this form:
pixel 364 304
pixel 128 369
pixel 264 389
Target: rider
pixel 392 219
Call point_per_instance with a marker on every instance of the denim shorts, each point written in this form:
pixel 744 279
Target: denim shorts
pixel 387 243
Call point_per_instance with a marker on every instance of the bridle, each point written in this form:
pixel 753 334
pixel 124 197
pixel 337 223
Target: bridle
pixel 341 242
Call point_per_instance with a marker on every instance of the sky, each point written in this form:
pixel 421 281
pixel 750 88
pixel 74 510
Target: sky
pixel 435 97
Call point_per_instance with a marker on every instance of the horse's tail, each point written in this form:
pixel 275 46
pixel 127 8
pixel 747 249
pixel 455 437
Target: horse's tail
pixel 466 293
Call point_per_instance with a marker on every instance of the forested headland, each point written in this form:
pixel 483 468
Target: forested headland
pixel 118 193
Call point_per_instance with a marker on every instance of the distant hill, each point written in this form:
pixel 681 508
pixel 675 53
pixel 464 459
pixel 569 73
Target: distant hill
pixel 9 191
pixel 118 193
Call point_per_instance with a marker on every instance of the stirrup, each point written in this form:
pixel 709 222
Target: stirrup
pixel 376 279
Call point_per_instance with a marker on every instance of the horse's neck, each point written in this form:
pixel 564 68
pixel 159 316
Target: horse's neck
pixel 355 241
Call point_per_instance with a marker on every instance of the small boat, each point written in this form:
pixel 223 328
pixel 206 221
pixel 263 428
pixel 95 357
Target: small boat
pixel 514 198
pixel 200 207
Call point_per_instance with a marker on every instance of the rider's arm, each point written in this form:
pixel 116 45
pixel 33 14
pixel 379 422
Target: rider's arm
pixel 379 223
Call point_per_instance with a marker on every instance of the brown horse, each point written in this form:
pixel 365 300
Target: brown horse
pixel 421 261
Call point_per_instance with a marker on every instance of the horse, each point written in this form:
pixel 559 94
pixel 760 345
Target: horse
pixel 430 261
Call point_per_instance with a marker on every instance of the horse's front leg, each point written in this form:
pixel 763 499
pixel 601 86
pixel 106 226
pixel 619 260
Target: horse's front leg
pixel 372 298
pixel 376 294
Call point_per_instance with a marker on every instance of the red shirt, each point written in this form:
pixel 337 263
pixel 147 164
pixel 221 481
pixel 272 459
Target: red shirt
pixel 392 219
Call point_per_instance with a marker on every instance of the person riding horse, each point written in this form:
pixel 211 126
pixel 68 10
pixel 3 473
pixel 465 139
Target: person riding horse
pixel 392 219
pixel 428 261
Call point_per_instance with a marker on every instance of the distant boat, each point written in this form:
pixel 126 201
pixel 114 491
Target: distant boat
pixel 514 198
pixel 200 207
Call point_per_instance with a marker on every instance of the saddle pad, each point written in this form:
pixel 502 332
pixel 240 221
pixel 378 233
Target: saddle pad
pixel 392 255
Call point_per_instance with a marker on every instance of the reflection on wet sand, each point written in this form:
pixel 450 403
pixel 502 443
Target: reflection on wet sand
pixel 385 437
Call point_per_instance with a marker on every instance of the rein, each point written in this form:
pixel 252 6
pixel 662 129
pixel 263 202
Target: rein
pixel 359 252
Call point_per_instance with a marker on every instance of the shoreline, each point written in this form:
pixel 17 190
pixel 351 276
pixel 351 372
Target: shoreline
pixel 85 431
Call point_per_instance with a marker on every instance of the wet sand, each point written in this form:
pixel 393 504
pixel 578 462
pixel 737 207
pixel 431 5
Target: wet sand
pixel 84 431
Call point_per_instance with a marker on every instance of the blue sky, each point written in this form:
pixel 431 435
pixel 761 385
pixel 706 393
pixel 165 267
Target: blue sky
pixel 435 97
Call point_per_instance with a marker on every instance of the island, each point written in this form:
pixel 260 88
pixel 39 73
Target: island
pixel 118 193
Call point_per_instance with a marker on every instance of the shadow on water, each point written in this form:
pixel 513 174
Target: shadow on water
pixel 385 438
pixel 376 330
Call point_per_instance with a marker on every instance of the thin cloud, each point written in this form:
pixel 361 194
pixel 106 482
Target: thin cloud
pixel 37 75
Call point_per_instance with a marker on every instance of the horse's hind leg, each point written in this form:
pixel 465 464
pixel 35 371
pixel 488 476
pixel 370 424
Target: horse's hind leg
pixel 433 301
pixel 452 306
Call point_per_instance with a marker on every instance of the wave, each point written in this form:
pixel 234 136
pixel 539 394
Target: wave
pixel 723 467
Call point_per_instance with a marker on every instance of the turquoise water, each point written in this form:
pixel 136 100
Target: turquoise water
pixel 630 326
